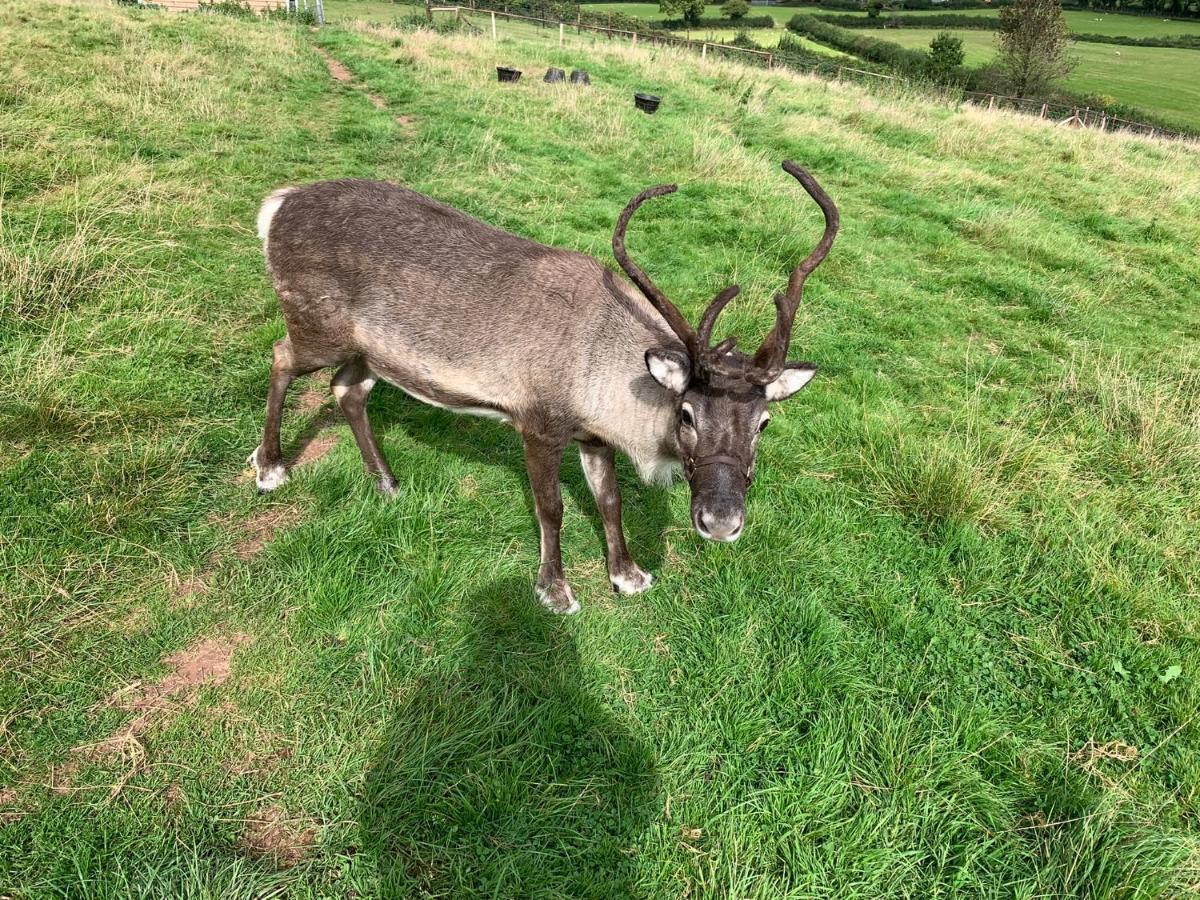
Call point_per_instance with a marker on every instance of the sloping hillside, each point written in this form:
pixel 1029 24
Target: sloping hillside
pixel 955 653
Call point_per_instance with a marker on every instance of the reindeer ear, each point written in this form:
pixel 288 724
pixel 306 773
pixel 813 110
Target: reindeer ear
pixel 793 377
pixel 670 368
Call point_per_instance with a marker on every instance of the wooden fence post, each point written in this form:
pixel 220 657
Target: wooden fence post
pixel 493 27
pixel 560 34
pixel 704 51
pixel 992 102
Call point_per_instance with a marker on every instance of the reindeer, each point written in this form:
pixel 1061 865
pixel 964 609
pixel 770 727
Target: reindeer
pixel 385 283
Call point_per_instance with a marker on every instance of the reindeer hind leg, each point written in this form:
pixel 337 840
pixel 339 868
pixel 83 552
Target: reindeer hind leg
pixel 267 458
pixel 352 385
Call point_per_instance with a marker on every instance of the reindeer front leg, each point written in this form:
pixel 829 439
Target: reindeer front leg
pixel 543 459
pixel 601 472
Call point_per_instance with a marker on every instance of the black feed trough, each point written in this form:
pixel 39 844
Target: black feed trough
pixel 647 103
pixel 554 76
pixel 579 76
pixel 504 73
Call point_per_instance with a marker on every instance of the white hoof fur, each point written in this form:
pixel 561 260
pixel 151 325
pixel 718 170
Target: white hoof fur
pixel 558 599
pixel 633 582
pixel 270 477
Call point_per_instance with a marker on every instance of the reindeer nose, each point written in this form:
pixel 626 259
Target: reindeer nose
pixel 726 527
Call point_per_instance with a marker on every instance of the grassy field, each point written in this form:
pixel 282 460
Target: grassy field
pixel 1159 79
pixel 650 11
pixel 1079 21
pixel 764 37
pixel 954 655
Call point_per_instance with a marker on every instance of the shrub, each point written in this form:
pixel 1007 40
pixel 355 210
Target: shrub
pixel 735 9
pixel 945 56
pixel 942 20
pixel 710 22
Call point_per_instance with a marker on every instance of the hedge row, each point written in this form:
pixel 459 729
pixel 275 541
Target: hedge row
pixel 901 59
pixel 945 20
pixel 714 22
pixel 1184 41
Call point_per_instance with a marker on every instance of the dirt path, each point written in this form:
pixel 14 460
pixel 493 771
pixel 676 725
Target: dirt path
pixel 339 73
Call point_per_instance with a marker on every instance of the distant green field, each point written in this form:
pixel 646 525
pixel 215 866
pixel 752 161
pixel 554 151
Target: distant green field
pixel 376 10
pixel 1156 79
pixel 1090 22
pixel 1079 21
pixel 781 14
pixel 765 37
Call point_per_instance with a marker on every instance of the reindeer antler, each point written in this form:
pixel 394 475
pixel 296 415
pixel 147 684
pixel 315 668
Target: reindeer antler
pixel 769 360
pixel 772 354
pixel 666 308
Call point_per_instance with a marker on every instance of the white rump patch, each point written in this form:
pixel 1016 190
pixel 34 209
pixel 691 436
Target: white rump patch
pixel 267 211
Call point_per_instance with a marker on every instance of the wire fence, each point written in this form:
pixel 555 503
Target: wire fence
pixel 1063 114
pixel 1071 116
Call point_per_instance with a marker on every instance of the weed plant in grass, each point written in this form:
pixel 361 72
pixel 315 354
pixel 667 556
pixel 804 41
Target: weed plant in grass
pixel 955 653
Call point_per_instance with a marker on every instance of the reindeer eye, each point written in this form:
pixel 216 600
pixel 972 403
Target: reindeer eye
pixel 685 416
pixel 762 426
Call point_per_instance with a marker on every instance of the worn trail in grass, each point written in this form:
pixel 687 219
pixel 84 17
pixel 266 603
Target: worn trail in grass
pixel 954 654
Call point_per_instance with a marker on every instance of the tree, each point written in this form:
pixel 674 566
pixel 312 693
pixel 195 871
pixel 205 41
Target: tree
pixel 945 56
pixel 691 11
pixel 1033 46
pixel 735 9
pixel 873 8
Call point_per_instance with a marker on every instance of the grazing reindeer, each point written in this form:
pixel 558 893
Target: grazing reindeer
pixel 387 284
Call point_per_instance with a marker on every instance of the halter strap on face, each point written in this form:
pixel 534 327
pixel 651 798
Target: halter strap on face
pixel 717 459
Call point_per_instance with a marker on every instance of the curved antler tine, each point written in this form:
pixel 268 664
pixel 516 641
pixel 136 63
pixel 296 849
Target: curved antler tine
pixel 725 346
pixel 710 315
pixel 665 307
pixel 772 354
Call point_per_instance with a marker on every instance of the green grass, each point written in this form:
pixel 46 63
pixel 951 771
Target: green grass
pixel 780 14
pixel 954 655
pixel 339 11
pixel 1079 21
pixel 1158 79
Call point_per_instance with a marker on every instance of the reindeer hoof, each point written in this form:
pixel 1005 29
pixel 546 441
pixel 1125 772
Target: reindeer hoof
pixel 387 487
pixel 631 581
pixel 268 478
pixel 558 598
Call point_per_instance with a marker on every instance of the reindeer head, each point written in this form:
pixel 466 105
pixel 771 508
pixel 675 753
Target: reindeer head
pixel 723 394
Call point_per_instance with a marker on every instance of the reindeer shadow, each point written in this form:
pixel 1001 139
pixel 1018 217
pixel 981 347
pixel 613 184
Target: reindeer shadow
pixel 500 775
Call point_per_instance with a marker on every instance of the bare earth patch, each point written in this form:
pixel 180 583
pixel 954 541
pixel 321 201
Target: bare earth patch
pixel 207 661
pixel 311 400
pixel 9 810
pixel 272 835
pixel 260 528
pixel 315 449
pixel 339 73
